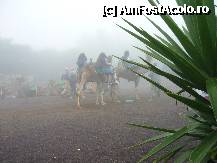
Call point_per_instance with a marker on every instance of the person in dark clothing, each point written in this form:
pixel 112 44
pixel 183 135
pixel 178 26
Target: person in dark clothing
pixel 103 66
pixel 126 57
pixel 82 61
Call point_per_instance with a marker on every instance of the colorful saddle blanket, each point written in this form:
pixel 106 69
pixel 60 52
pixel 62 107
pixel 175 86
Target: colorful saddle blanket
pixel 104 70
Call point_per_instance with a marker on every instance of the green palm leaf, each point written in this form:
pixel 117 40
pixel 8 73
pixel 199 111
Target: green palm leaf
pixel 212 90
pixel 165 158
pixel 203 149
pixel 152 139
pixel 183 157
pixel 170 139
pixel 193 60
pixel 152 128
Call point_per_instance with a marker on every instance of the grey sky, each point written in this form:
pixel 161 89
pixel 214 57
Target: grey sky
pixel 67 24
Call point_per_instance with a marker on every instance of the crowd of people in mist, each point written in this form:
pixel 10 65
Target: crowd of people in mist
pixel 103 65
pixel 24 71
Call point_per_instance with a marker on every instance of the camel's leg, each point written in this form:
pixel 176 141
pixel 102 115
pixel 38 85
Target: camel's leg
pixel 36 91
pixel 102 98
pixel 97 93
pixel 114 93
pixel 136 88
pixel 80 89
pixel 78 99
pixel 97 99
pixel 100 93
pixel 137 96
pixel 115 88
pixel 1 92
pixel 78 102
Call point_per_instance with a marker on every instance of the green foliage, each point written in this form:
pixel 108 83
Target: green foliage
pixel 192 58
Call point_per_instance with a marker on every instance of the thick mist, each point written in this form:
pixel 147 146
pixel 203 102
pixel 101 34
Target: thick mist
pixel 41 37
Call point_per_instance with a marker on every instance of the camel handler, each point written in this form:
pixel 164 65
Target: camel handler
pixel 126 57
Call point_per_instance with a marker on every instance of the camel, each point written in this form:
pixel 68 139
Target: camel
pixel 88 74
pixel 124 73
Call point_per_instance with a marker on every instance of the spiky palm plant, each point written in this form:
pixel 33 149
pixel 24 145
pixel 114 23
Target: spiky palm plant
pixel 192 57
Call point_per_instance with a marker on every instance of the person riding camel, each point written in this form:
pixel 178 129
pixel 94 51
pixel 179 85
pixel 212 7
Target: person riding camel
pixel 103 66
pixel 81 62
pixel 126 57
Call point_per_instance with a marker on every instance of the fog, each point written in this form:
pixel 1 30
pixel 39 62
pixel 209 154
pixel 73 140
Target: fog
pixel 41 37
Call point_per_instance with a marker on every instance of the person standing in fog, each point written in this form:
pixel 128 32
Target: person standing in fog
pixel 82 61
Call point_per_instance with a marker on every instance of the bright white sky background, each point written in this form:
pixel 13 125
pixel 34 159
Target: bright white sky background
pixel 69 24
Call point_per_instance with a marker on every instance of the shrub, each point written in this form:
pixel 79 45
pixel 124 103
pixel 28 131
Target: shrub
pixel 192 58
